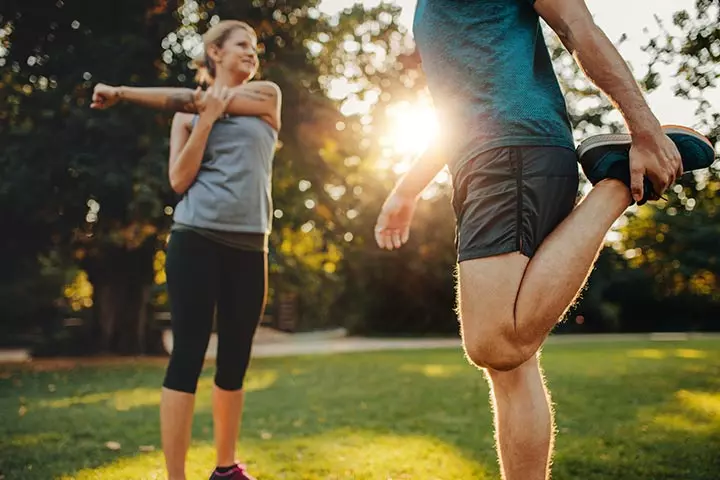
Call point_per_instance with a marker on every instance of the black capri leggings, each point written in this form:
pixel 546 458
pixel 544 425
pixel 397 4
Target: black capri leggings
pixel 202 275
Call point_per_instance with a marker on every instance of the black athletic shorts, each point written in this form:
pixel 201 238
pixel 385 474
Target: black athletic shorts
pixel 510 199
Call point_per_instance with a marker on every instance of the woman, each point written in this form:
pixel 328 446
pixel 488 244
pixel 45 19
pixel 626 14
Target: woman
pixel 221 151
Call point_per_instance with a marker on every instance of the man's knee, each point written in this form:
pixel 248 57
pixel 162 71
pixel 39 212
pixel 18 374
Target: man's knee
pixel 496 349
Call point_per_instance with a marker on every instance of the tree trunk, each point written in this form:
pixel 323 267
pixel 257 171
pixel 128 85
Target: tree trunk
pixel 122 284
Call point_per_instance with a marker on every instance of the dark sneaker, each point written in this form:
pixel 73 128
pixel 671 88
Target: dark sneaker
pixel 236 472
pixel 607 156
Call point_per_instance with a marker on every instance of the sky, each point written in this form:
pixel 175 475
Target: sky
pixel 615 17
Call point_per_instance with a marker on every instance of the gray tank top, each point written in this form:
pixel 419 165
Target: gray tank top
pixel 233 188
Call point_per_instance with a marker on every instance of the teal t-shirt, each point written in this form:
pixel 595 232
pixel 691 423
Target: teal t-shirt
pixel 490 76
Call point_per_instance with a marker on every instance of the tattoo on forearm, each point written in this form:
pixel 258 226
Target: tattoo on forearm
pixel 181 102
pixel 256 95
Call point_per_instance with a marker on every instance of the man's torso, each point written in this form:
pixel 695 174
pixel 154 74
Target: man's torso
pixel 490 75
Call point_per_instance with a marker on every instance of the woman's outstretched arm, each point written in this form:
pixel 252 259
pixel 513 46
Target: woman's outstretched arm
pixel 260 98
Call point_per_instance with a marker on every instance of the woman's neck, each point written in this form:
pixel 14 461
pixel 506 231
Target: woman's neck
pixel 228 79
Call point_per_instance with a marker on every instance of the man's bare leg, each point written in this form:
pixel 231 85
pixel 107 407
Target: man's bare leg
pixel 523 421
pixel 509 303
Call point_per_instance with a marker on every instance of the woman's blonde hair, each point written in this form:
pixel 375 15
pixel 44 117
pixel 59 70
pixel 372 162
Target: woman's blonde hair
pixel 217 35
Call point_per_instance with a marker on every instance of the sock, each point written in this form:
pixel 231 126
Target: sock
pixel 224 469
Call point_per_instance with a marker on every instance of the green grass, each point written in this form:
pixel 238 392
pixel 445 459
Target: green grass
pixel 624 411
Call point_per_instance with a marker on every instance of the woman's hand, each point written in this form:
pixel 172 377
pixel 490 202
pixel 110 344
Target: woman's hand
pixel 104 96
pixel 211 104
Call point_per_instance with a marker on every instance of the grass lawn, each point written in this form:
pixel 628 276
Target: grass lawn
pixel 624 411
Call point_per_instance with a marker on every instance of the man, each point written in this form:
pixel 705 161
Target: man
pixel 524 248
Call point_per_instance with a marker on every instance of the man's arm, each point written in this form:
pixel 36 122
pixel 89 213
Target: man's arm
pixel 599 59
pixel 421 173
pixel 392 228
pixel 604 66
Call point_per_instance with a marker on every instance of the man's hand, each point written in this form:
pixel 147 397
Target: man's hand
pixel 656 157
pixel 104 96
pixel 392 229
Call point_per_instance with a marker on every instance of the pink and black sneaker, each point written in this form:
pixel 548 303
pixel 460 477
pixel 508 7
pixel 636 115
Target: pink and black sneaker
pixel 236 472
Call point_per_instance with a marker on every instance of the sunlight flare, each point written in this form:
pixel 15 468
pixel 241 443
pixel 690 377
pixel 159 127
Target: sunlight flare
pixel 412 127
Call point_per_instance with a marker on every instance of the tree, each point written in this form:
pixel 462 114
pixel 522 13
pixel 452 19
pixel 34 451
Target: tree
pixel 86 184
pixel 694 54
pixel 664 268
pixel 674 242
pixel 95 182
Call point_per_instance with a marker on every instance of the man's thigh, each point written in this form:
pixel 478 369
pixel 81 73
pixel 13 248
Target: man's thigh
pixel 487 290
pixel 506 202
pixel 510 199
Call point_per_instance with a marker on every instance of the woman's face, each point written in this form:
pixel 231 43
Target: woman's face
pixel 238 55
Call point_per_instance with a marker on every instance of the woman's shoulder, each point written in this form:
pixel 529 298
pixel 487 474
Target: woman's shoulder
pixel 269 90
pixel 266 84
pixel 267 93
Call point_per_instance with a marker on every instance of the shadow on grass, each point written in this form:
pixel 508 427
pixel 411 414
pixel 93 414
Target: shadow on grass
pixel 377 415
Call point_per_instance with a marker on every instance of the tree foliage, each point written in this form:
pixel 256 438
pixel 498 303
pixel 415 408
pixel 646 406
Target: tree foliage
pixel 87 191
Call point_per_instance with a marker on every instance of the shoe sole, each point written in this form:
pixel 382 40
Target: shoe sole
pixel 626 139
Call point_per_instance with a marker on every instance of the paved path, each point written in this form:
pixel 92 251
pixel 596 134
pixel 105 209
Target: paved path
pixel 359 344
pixel 314 344
pixel 350 345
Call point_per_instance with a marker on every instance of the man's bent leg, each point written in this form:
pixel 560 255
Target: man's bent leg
pixel 565 259
pixel 521 200
pixel 523 421
pixel 508 303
